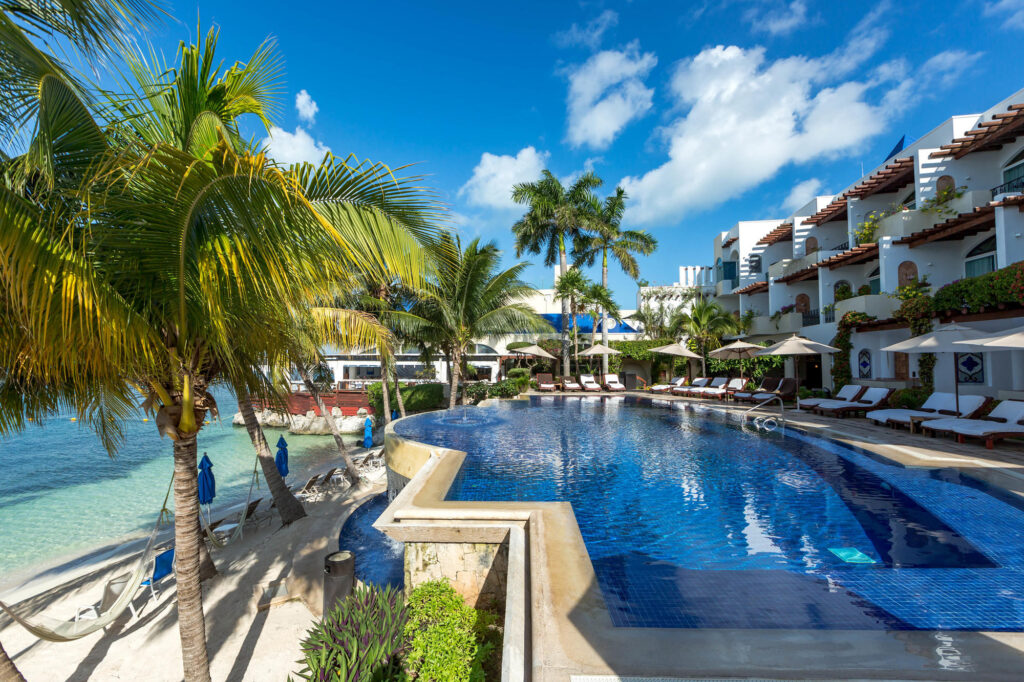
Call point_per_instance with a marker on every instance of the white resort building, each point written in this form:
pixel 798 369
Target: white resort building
pixel 945 209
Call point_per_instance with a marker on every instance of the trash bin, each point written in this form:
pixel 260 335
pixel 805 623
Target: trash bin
pixel 339 576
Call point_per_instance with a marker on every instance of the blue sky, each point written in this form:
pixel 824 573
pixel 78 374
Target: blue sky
pixel 707 112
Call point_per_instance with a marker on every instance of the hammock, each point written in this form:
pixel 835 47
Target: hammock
pixel 236 532
pixel 54 630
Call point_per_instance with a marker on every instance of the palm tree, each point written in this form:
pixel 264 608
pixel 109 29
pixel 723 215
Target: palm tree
pixel 572 288
pixel 654 320
pixel 556 215
pixel 608 237
pixel 705 324
pixel 599 304
pixel 470 298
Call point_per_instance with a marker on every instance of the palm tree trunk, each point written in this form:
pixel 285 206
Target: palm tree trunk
pixel 187 543
pixel 8 671
pixel 456 373
pixel 564 266
pixel 576 339
pixel 604 314
pixel 289 508
pixel 350 467
pixel 385 394
pixel 398 394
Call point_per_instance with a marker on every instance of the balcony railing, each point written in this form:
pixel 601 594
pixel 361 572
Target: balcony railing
pixel 828 316
pixel 845 246
pixel 1015 185
pixel 810 318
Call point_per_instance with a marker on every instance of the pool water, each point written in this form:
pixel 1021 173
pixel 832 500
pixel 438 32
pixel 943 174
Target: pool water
pixel 694 520
pixel 379 559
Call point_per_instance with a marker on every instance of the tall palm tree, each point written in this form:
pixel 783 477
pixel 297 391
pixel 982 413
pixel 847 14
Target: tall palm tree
pixel 572 288
pixel 654 320
pixel 556 215
pixel 705 324
pixel 599 304
pixel 471 297
pixel 608 237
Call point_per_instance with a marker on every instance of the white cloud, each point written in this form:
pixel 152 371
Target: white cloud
pixel 590 34
pixel 606 92
pixel 289 148
pixel 779 19
pixel 306 107
pixel 742 117
pixel 493 178
pixel 801 193
pixel 1010 11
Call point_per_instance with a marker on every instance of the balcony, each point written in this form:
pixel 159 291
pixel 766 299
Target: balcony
pixel 725 287
pixel 788 266
pixel 906 223
pixel 879 306
pixel 1012 187
pixel 788 323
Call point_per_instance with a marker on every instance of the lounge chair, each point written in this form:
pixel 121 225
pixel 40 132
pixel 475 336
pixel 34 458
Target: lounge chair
pixel 697 383
pixel 570 384
pixel 163 566
pixel 310 484
pixel 612 383
pixel 937 406
pixel 873 398
pixel 846 394
pixel 785 391
pixel 721 392
pixel 545 382
pixel 1003 422
pixel 699 391
pixel 767 384
pixel 665 388
pixel 112 591
pixel 588 383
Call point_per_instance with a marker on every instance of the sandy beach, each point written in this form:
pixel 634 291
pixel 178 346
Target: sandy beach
pixel 247 640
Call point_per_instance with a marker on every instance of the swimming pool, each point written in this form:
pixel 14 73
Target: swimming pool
pixel 693 520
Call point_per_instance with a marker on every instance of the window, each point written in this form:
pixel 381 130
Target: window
pixel 811 245
pixel 906 273
pixel 970 368
pixel 981 259
pixel 802 303
pixel 875 281
pixel 864 364
pixel 910 201
pixel 754 264
pixel 945 184
pixel 1014 169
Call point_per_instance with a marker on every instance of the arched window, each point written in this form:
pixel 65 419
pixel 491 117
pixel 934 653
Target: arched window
pixel 906 273
pixel 810 245
pixel 803 303
pixel 1014 171
pixel 944 184
pixel 864 364
pixel 754 263
pixel 981 259
pixel 875 281
pixel 841 284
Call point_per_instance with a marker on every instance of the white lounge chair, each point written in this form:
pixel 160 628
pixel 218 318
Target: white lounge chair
pixel 847 393
pixel 720 392
pixel 873 398
pixel 1002 422
pixel 937 406
pixel 612 383
pixel 697 383
pixel 570 384
pixel 665 388
pixel 717 382
pixel 588 383
pixel 767 384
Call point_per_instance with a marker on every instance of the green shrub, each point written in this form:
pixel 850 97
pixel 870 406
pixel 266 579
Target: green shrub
pixel 449 640
pixel 1004 286
pixel 506 388
pixel 843 292
pixel 864 290
pixel 908 398
pixel 418 398
pixel 476 391
pixel 517 372
pixel 364 638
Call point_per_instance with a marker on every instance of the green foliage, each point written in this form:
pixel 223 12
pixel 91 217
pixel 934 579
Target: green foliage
pixel 909 398
pixel 843 292
pixel 864 290
pixel 476 391
pixel 1000 287
pixel 506 388
pixel 806 393
pixel 841 372
pixel 752 368
pixel 917 288
pixel 639 350
pixel 418 397
pixel 518 344
pixel 939 203
pixel 449 640
pixel 363 638
pixel 917 311
pixel 518 372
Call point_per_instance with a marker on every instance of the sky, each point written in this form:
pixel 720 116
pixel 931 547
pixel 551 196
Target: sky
pixel 705 112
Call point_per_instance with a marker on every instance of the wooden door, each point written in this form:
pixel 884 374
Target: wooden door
pixel 811 245
pixel 907 273
pixel 901 365
pixel 803 303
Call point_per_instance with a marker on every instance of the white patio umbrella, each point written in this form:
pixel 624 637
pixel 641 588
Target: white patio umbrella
pixel 1008 340
pixel 535 350
pixel 949 338
pixel 679 350
pixel 737 350
pixel 599 349
pixel 797 345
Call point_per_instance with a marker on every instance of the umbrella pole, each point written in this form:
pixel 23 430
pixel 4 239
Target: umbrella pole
pixel 956 385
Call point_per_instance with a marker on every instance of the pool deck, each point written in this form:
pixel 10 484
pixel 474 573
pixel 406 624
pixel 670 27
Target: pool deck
pixel 570 632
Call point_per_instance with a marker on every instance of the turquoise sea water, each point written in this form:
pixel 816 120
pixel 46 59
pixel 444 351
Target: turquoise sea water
pixel 61 494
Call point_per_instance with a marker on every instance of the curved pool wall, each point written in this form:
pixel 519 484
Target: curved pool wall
pixel 379 559
pixel 692 521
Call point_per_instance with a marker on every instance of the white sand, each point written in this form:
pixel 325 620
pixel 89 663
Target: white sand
pixel 244 643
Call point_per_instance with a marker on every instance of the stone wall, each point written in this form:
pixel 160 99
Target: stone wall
pixel 476 570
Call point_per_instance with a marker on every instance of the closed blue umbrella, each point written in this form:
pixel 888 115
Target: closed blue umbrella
pixel 207 484
pixel 281 460
pixel 368 434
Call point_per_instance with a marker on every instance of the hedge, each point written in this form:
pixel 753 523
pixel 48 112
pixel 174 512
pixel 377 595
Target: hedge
pixel 417 397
